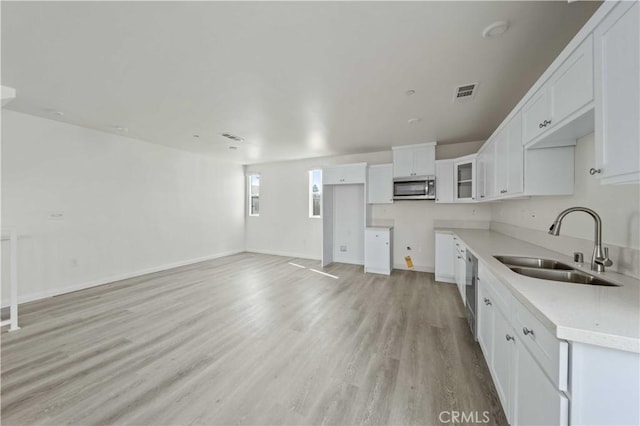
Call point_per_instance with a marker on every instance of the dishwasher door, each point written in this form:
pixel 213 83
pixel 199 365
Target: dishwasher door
pixel 471 281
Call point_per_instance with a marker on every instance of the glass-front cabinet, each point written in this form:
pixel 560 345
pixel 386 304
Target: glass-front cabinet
pixel 464 179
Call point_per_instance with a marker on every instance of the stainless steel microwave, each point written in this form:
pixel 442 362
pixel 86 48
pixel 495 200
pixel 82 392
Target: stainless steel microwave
pixel 414 188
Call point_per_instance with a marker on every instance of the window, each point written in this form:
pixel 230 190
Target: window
pixel 315 193
pixel 254 195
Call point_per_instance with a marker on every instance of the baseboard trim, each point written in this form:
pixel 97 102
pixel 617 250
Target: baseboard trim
pixel 419 268
pixel 282 253
pixel 70 289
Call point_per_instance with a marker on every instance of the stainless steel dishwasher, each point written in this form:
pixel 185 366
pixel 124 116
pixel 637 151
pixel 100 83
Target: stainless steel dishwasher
pixel 471 280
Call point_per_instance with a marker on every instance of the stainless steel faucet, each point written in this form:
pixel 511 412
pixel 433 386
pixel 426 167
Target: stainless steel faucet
pixel 600 257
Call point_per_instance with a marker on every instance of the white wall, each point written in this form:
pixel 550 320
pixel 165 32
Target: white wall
pixel 617 205
pixel 129 206
pixel 284 226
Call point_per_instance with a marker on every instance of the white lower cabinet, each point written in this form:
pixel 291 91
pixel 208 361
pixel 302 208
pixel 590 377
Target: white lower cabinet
pixel 377 250
pixel 527 394
pixel 445 265
pixel 536 400
pixel 460 272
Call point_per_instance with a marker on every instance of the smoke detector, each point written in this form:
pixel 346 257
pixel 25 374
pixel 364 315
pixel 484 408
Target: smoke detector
pixel 465 92
pixel 496 29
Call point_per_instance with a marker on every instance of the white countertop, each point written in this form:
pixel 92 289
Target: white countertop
pixel 597 315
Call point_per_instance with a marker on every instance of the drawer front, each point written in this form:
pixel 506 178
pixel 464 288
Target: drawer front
pixel 550 353
pixel 502 297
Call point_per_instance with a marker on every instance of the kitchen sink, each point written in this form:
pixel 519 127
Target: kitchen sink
pixel 533 262
pixel 568 276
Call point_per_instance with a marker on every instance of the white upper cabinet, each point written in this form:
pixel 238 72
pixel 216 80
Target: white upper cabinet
pixel 571 86
pixel 510 158
pixel 617 100
pixel 444 181
pixel 414 160
pixel 481 174
pixel 568 92
pixel 344 174
pixel 464 179
pixel 380 184
pixel 490 170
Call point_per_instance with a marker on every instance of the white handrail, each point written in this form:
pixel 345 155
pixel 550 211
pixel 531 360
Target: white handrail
pixel 13 265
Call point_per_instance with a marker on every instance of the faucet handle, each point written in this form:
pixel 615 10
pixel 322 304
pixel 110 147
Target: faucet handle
pixel 606 261
pixel 578 257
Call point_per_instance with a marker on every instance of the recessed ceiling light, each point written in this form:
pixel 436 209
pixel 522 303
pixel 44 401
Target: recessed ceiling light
pixel 410 92
pixel 495 29
pixel 414 120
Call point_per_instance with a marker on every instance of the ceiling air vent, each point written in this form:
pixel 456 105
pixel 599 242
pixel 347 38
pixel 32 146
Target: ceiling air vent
pixel 232 137
pixel 465 92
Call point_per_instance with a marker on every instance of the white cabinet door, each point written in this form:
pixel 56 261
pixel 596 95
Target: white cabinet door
pixel 377 251
pixel 490 170
pixel 344 174
pixel 424 160
pixel 464 180
pixel 331 176
pixel 571 86
pixel 444 181
pixel 481 175
pixel 354 173
pixel 502 362
pixel 502 161
pixel 460 268
pixel 617 98
pixel 380 184
pixel 536 400
pixel 485 321
pixel 445 265
pixel 509 161
pixel 536 115
pixel 403 162
pixel 414 160
pixel 515 157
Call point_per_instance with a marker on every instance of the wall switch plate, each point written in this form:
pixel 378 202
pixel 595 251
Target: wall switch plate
pixel 343 248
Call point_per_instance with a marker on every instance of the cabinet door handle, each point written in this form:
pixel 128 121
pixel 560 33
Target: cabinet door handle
pixel 526 331
pixel 459 257
pixel 482 196
pixel 509 338
pixel 487 302
pixel 593 171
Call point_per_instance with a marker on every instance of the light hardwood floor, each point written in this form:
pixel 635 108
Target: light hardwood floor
pixel 247 339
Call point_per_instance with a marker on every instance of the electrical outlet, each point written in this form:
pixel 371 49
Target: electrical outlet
pixel 343 248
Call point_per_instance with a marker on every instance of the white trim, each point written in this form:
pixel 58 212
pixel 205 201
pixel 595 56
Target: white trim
pixel 414 145
pixel 418 268
pixel 282 254
pixel 58 291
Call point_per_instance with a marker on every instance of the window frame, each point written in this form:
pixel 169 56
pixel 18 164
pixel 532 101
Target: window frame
pixel 250 195
pixel 310 194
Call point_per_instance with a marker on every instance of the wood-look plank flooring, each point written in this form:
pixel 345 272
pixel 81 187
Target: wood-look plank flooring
pixel 247 339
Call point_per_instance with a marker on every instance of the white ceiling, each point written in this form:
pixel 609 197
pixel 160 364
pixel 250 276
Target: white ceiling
pixel 295 79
